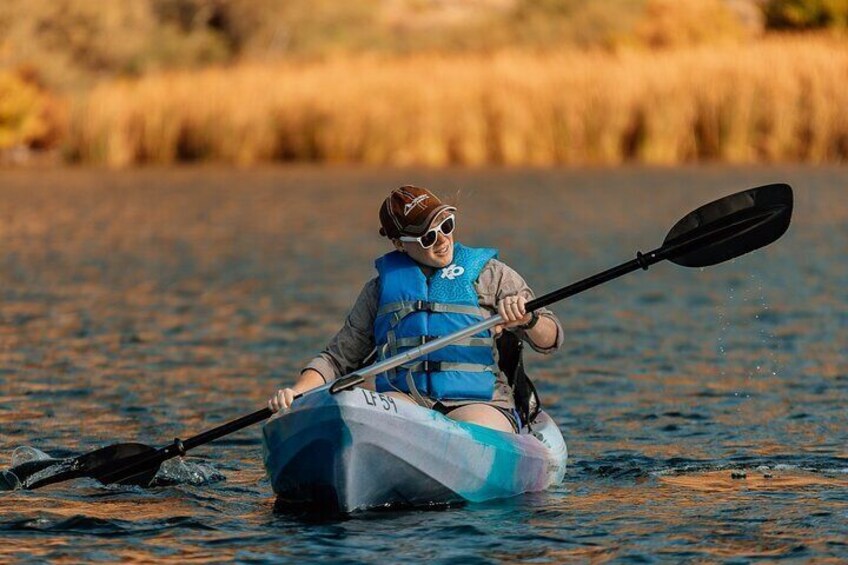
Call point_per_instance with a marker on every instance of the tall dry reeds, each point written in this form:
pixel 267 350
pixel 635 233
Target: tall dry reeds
pixel 782 99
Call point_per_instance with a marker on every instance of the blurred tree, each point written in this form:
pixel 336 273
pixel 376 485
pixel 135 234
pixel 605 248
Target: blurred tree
pixel 806 14
pixel 673 23
pixel 64 39
pixel 586 24
pixel 72 41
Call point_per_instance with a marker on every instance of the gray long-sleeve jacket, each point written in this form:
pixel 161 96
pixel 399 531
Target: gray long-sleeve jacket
pixel 355 340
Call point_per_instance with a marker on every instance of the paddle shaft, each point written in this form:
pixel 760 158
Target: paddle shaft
pixel 179 447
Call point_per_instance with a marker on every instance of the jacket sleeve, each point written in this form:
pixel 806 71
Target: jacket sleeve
pixel 497 281
pixel 354 341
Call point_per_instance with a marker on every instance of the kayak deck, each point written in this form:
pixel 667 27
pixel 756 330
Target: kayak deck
pixel 359 449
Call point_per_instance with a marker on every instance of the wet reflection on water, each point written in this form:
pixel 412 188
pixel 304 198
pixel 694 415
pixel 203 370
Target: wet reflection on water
pixel 156 304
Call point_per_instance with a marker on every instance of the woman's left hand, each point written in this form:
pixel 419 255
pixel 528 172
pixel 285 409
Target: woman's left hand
pixel 513 310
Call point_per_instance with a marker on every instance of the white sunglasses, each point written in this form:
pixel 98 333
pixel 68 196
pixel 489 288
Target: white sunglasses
pixel 428 240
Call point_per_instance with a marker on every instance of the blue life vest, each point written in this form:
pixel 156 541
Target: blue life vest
pixel 414 309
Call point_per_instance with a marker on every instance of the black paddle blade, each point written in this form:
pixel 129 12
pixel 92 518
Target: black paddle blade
pixel 138 470
pixel 730 226
pixel 17 476
pixel 102 464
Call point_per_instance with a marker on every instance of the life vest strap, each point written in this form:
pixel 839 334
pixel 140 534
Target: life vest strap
pixel 403 308
pixel 421 340
pixel 443 366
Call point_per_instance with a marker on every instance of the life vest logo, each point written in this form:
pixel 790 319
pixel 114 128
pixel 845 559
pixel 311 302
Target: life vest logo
pixel 417 201
pixel 452 271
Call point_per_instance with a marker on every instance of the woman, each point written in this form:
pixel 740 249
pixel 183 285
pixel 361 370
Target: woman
pixel 428 287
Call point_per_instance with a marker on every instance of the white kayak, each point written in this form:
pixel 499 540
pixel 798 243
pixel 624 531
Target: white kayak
pixel 359 450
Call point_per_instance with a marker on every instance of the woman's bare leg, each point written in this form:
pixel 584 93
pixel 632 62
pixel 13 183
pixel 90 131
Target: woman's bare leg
pixel 480 414
pixel 483 415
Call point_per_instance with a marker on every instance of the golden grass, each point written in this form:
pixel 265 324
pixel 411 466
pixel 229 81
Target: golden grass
pixel 780 99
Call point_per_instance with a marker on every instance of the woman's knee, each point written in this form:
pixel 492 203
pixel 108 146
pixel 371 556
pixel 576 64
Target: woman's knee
pixel 483 415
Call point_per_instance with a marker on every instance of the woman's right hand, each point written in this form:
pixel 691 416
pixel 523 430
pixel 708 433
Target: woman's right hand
pixel 282 400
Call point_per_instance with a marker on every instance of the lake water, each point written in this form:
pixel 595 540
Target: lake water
pixel 156 304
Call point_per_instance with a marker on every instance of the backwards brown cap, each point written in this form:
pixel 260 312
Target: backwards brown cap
pixel 408 210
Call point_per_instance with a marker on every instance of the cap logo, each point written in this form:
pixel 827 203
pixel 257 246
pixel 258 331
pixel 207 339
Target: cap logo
pixel 417 201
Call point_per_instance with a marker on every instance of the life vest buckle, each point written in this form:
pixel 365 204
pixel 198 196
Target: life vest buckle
pixel 431 366
pixel 422 306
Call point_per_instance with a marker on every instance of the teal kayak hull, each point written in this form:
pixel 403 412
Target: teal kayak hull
pixel 359 450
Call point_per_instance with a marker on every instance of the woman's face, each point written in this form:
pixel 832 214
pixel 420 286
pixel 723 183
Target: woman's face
pixel 440 254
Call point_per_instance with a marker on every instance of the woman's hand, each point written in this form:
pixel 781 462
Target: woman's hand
pixel 282 400
pixel 513 310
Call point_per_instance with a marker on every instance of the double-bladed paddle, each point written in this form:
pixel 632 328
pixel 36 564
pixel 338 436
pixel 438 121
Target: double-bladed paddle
pixel 714 233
